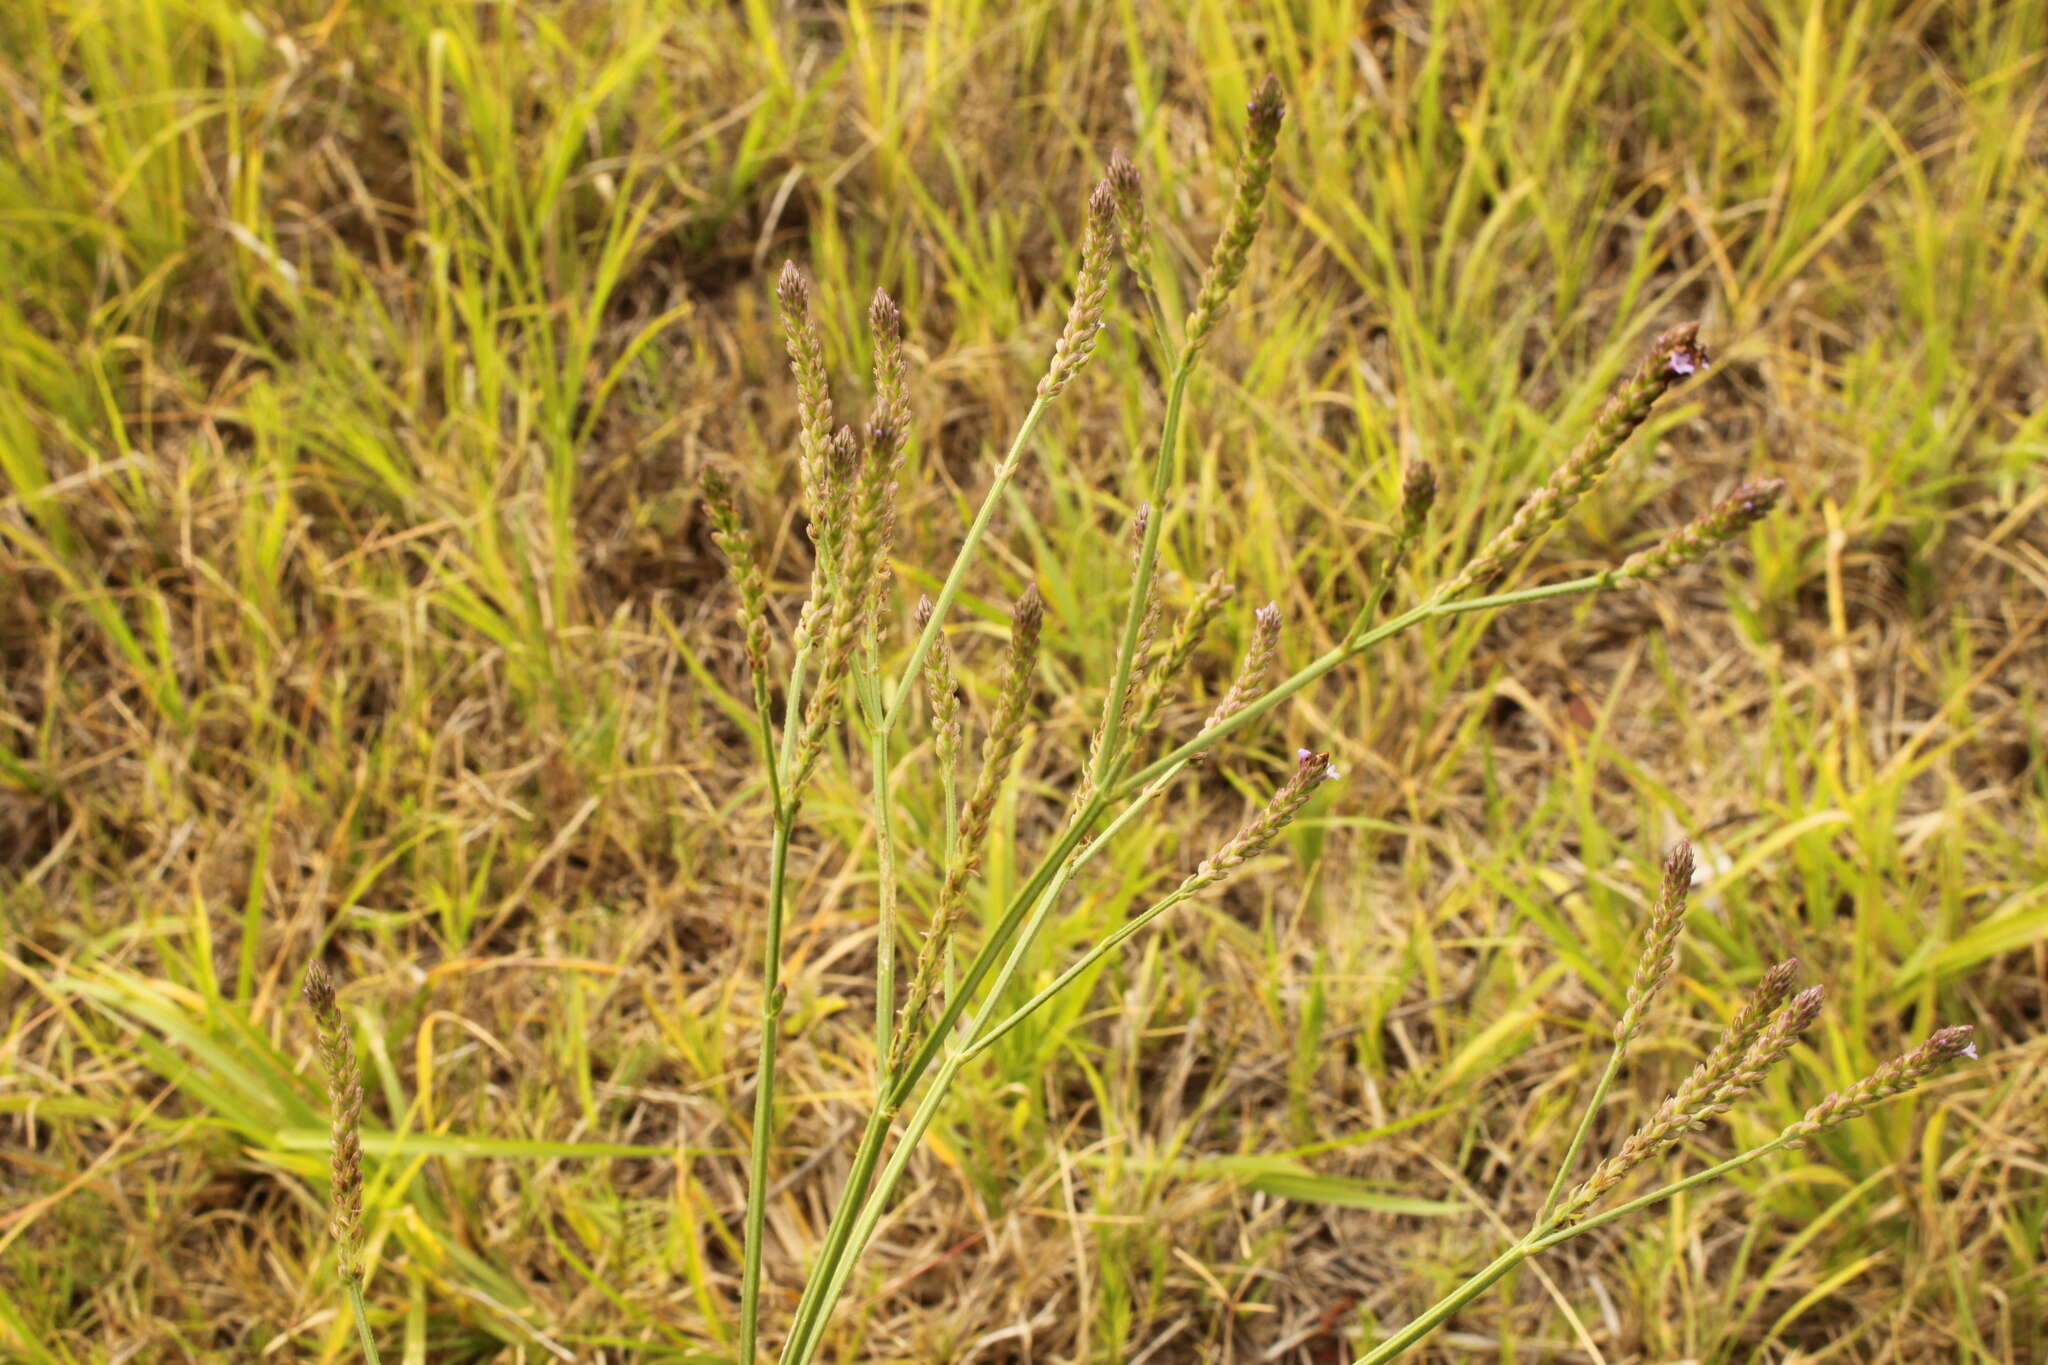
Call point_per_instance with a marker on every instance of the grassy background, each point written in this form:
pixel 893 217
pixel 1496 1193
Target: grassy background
pixel 356 364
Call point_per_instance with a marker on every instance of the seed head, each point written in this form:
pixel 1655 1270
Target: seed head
pixel 1740 510
pixel 1258 663
pixel 1674 354
pixel 732 537
pixel 1761 1033
pixel 1659 954
pixel 1091 285
pixel 1311 770
pixel 1187 637
pixel 345 1104
pixel 1233 248
pixel 1132 229
pixel 999 751
pixel 1418 495
pixel 889 426
pixel 942 692
pixel 813 393
pixel 1895 1077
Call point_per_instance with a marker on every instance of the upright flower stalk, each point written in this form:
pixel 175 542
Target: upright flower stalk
pixel 838 648
pixel 1762 1033
pixel 345 1150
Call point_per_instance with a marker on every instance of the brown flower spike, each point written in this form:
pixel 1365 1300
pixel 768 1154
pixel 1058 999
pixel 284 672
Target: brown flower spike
pixel 1233 249
pixel 345 1099
pixel 1673 356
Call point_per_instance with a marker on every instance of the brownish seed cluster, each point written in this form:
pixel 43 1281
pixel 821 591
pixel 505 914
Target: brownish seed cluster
pixel 1673 356
pixel 1659 956
pixel 345 1100
pixel 1943 1049
pixel 1091 286
pixel 999 751
pixel 1233 249
pixel 1257 666
pixel 1311 770
pixel 1743 508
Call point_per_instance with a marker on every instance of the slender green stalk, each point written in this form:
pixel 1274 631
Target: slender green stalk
pixel 1542 1237
pixel 1544 1240
pixel 1434 1318
pixel 987 1038
pixel 885 888
pixel 865 1158
pixel 1042 890
pixel 764 1092
pixel 962 561
pixel 862 1227
pixel 362 1317
pixel 1571 1153
pixel 1148 560
pixel 801 1352
pixel 1351 648
pixel 993 944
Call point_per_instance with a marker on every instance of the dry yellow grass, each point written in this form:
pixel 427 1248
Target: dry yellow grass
pixel 357 364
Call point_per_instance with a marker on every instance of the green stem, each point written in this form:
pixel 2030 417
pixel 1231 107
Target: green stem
pixel 961 562
pixel 870 1215
pixel 988 1037
pixel 998 938
pixel 764 1093
pixel 1571 1153
pixel 1148 560
pixel 362 1316
pixel 1350 648
pixel 1542 1237
pixel 1660 1194
pixel 885 890
pixel 862 1227
pixel 864 1158
pixel 1449 1304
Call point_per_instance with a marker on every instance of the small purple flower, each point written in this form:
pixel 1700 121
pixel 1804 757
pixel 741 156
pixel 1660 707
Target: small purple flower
pixel 1688 357
pixel 1307 756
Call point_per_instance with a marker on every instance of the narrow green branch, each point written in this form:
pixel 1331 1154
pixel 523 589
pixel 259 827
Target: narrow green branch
pixel 1148 560
pixel 764 1093
pixel 1349 649
pixel 865 1157
pixel 957 575
pixel 885 889
pixel 361 1312
pixel 1571 1152
pixel 1660 1194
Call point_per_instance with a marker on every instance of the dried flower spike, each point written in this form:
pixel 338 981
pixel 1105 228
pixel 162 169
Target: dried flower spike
pixel 813 394
pixel 999 751
pixel 1091 285
pixel 848 604
pixel 1659 955
pixel 1761 1034
pixel 1418 495
pixel 1895 1077
pixel 942 692
pixel 1132 230
pixel 1258 663
pixel 345 1100
pixel 1187 637
pixel 1233 248
pixel 889 426
pixel 1743 508
pixel 732 538
pixel 1311 770
pixel 1672 356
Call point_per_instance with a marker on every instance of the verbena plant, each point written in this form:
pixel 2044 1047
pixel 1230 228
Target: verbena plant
pixel 938 1019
